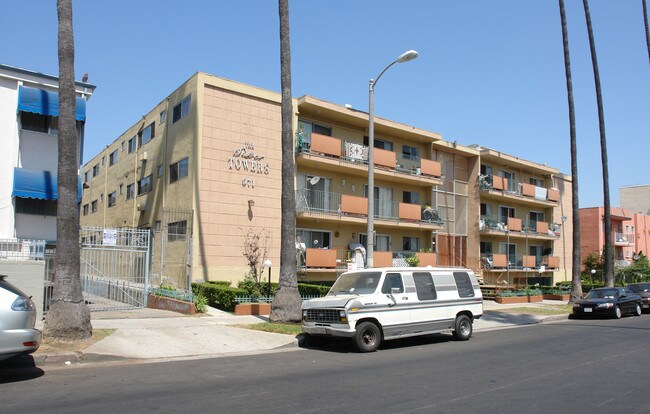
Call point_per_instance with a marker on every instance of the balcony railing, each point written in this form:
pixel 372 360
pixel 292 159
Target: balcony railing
pixel 623 238
pixel 513 224
pixel 351 153
pixel 517 188
pixel 519 263
pixel 348 259
pixel 328 203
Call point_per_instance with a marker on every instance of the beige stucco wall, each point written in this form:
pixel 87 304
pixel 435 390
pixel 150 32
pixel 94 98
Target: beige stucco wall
pixel 635 198
pixel 563 247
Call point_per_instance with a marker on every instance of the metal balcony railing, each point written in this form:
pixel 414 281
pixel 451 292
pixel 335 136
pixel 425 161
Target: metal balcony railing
pixel 517 188
pixel 518 262
pixel 531 227
pixel 623 238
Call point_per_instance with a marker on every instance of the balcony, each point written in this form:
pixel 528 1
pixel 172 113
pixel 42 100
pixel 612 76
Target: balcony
pixel 332 154
pixel 623 239
pixel 340 260
pixel 336 207
pixel 524 263
pixel 499 188
pixel 516 227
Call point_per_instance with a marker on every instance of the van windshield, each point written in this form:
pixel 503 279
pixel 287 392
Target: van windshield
pixel 359 283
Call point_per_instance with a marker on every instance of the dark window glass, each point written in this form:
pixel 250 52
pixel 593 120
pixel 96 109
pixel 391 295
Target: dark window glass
pixel 181 110
pixel 132 145
pixel 412 197
pixel 410 153
pixel 178 170
pixel 112 159
pixel 112 199
pixel 424 286
pixel 35 206
pixel 130 191
pixel 410 244
pixel 39 123
pixel 93 206
pixel 176 230
pixel 393 280
pixel 144 185
pixel 86 209
pixel 96 170
pixel 463 284
pixel 378 143
pixel 147 134
pixel 323 130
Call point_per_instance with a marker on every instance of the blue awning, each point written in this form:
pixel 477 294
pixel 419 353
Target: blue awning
pixel 44 102
pixel 37 184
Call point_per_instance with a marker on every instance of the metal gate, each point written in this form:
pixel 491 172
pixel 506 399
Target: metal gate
pixel 115 267
pixel 171 255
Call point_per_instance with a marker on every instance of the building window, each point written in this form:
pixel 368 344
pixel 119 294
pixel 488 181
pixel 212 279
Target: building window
pixel 176 230
pixel 123 146
pixel 93 207
pixel 112 159
pixel 121 189
pixel 112 199
pixel 181 110
pixel 35 207
pixel 132 143
pixel 157 225
pixel 161 170
pixel 39 123
pixel 95 170
pixel 486 248
pixel 130 191
pixel 85 209
pixel 163 116
pixel 144 185
pixel 486 170
pixel 411 197
pixel 103 160
pixel 410 153
pixel 146 134
pixel 314 238
pixel 378 143
pixel 86 176
pixel 410 244
pixel 536 182
pixel 178 170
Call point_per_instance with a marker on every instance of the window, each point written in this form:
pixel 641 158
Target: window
pixel 410 244
pixel 35 206
pixel 181 110
pixel 112 159
pixel 121 189
pixel 534 217
pixel 411 197
pixel 144 185
pixel 130 191
pixel 157 225
pixel 509 249
pixel 410 153
pixel 85 209
pixel 176 230
pixel 378 143
pixel 163 116
pixel 486 248
pixel 103 160
pixel 382 242
pixel 313 238
pixel 306 128
pixel 512 184
pixel 123 146
pixel 161 170
pixel 132 143
pixel 505 212
pixel 146 134
pixel 536 182
pixel 39 123
pixel 486 210
pixel 393 280
pixel 424 286
pixel 464 285
pixel 486 170
pixel 95 170
pixel 86 176
pixel 93 206
pixel 178 170
pixel 112 199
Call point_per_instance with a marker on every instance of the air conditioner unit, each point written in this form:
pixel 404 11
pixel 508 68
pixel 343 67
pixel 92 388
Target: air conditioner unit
pixel 143 156
pixel 141 206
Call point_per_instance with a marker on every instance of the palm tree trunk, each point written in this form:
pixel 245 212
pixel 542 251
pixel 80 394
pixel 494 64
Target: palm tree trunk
pixel 576 282
pixel 68 317
pixel 647 30
pixel 286 304
pixel 608 256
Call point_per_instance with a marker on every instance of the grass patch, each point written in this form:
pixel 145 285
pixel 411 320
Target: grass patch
pixel 56 346
pixel 539 310
pixel 281 328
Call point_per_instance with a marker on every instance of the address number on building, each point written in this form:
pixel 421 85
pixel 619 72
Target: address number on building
pixel 248 183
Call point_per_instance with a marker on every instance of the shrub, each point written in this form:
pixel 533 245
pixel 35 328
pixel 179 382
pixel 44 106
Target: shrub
pixel 312 290
pixel 224 283
pixel 413 261
pixel 218 296
pixel 200 303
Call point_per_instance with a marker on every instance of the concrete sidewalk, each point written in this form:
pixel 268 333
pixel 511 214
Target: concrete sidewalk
pixel 149 335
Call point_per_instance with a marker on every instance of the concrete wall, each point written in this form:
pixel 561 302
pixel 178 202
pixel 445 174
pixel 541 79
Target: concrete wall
pixel 38 151
pixel 636 198
pixel 29 277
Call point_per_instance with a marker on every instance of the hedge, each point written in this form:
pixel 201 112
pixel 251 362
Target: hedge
pixel 312 290
pixel 218 296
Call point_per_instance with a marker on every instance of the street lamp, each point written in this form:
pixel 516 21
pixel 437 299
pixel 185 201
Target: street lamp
pixel 267 263
pixel 370 240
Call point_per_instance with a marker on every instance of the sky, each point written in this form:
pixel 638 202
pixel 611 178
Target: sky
pixel 488 72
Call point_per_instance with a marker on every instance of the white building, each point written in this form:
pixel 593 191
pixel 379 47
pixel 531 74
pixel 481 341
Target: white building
pixel 29 108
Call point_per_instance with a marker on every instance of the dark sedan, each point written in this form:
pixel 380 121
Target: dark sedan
pixel 608 301
pixel 643 290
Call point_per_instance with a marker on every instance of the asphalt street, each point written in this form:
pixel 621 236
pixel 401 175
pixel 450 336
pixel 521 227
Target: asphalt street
pixel 577 366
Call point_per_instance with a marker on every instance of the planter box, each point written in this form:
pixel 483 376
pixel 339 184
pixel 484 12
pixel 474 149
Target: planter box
pixel 511 299
pixel 174 305
pixel 535 298
pixel 549 296
pixel 253 309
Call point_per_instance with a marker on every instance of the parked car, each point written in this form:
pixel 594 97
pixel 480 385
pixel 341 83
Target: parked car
pixel 17 320
pixel 608 301
pixel 643 290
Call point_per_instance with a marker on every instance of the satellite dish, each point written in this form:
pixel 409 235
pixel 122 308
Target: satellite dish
pixel 636 256
pixel 314 180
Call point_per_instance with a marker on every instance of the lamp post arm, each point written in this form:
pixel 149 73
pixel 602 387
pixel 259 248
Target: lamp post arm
pixel 374 82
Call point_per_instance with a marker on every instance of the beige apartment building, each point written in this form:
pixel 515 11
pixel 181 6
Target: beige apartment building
pixel 204 167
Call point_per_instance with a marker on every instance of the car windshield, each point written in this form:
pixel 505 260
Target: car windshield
pixel 640 287
pixel 602 294
pixel 357 283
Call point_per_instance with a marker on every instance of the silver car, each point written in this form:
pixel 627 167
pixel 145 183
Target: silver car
pixel 17 319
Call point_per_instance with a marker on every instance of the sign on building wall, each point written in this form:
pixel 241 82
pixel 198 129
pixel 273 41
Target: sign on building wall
pixel 246 160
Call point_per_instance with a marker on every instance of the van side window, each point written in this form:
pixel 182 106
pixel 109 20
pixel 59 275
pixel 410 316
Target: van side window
pixel 464 285
pixel 424 286
pixel 393 280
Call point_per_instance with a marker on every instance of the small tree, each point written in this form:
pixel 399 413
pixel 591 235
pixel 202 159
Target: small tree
pixel 256 251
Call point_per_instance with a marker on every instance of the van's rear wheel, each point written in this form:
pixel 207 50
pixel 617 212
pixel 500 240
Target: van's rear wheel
pixel 462 328
pixel 368 337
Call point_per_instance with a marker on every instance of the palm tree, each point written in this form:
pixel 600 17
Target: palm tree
pixel 576 283
pixel 287 302
pixel 608 257
pixel 68 317
pixel 647 30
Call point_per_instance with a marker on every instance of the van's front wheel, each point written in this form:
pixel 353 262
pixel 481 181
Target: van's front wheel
pixel 368 337
pixel 462 328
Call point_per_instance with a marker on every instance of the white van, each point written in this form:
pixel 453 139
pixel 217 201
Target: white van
pixel 372 305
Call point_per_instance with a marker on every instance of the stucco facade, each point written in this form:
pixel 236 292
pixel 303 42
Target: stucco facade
pixel 635 198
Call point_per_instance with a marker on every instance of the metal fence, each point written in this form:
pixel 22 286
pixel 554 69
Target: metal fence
pixel 19 249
